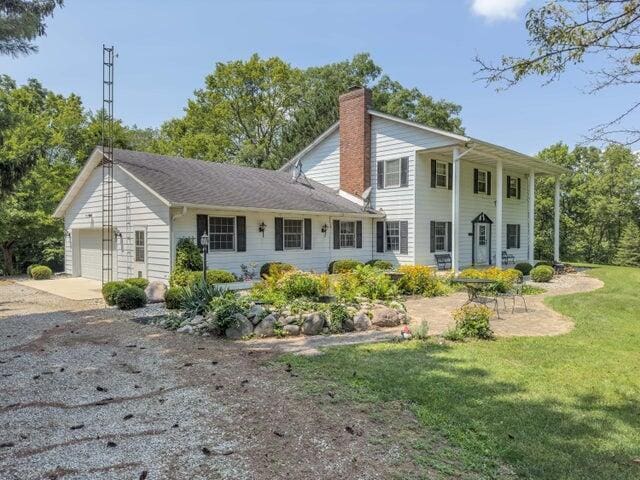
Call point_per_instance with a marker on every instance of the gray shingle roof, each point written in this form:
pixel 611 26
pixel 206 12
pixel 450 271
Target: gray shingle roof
pixel 196 182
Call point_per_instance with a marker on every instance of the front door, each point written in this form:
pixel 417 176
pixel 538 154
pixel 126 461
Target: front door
pixel 482 243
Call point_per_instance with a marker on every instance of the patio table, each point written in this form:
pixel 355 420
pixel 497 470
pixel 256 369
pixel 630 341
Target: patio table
pixel 474 287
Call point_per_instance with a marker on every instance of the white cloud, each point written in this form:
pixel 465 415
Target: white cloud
pixel 497 9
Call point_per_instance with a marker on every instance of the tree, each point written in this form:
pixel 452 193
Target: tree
pixel 21 22
pixel 628 253
pixel 565 33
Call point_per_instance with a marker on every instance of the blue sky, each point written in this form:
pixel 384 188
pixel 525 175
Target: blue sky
pixel 167 47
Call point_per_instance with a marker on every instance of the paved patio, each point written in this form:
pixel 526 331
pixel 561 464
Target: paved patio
pixel 71 288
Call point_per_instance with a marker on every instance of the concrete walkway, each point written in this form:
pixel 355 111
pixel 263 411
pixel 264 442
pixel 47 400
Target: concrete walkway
pixel 71 288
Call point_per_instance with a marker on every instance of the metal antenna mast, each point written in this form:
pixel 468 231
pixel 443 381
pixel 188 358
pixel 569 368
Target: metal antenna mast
pixel 107 163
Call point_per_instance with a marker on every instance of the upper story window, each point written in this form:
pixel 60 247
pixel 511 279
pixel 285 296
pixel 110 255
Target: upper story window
pixel 222 233
pixel 392 173
pixel 482 181
pixel 293 234
pixel 347 234
pixel 441 174
pixel 513 187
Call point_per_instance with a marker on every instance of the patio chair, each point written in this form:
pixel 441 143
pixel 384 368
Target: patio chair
pixel 485 300
pixel 443 261
pixel 517 290
pixel 507 258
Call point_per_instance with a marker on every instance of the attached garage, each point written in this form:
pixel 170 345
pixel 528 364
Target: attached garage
pixel 90 254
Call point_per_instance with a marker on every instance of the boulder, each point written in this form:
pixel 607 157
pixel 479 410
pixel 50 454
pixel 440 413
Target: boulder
pixel 242 328
pixel 289 319
pixel 292 329
pixel 197 320
pixel 185 329
pixel 255 313
pixel 383 316
pixel 361 322
pixel 313 323
pixel 266 327
pixel 155 292
pixel 348 325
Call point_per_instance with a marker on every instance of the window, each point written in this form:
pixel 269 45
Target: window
pixel 139 254
pixel 393 236
pixel 482 181
pixel 513 187
pixel 482 235
pixel 292 234
pixel 347 234
pixel 440 236
pixel 222 233
pixel 392 173
pixel 513 236
pixel 441 174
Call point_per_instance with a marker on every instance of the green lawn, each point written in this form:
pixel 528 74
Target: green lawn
pixel 563 407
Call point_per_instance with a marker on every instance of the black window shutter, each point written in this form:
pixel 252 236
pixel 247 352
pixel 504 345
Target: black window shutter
pixel 475 180
pixel 432 231
pixel 307 234
pixel 449 239
pixel 381 175
pixel 202 227
pixel 508 186
pixel 518 235
pixel 450 175
pixel 241 226
pixel 404 171
pixel 488 183
pixel 279 233
pixel 519 188
pixel 404 237
pixel 359 234
pixel 508 236
pixel 433 173
pixel 336 234
pixel 379 237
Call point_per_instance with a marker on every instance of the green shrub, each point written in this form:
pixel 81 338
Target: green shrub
pixel 381 264
pixel 184 278
pixel 130 297
pixel 473 321
pixel 110 291
pixel 420 280
pixel 504 279
pixel 365 281
pixel 188 255
pixel 173 297
pixel 344 265
pixel 338 315
pixel 543 263
pixel 299 284
pixel 224 308
pixel 30 267
pixel 267 292
pixel 523 267
pixel 542 273
pixel 275 269
pixel 138 282
pixel 197 296
pixel 421 332
pixel 41 272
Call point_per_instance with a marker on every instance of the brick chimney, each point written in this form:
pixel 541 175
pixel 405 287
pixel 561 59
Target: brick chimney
pixel 355 141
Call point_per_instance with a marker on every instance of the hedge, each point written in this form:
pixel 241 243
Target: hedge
pixel 542 273
pixel 275 269
pixel 343 266
pixel 138 282
pixel 173 297
pixel 524 267
pixel 110 290
pixel 381 264
pixel 131 297
pixel 41 272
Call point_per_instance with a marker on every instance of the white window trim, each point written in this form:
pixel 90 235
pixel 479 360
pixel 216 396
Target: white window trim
pixel 386 245
pixel 384 176
pixel 355 234
pixel 144 246
pixel 446 240
pixel 486 183
pixel 235 234
pixel 284 243
pixel 446 175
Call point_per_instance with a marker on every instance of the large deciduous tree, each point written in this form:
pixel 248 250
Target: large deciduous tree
pixel 21 22
pixel 564 33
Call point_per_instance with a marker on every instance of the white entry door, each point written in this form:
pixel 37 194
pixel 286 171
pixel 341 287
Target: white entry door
pixel 140 252
pixel 482 244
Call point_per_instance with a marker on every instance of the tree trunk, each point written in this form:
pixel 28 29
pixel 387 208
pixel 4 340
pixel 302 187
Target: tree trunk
pixel 7 254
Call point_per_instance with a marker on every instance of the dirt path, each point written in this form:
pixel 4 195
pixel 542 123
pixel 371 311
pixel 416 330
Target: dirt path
pixel 86 393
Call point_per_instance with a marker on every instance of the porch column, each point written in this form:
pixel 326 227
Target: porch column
pixel 532 215
pixel 499 213
pixel 455 212
pixel 556 222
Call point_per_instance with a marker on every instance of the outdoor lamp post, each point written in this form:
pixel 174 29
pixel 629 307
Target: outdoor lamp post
pixel 203 243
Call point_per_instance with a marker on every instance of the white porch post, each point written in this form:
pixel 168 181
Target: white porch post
pixel 455 212
pixel 499 213
pixel 556 222
pixel 532 215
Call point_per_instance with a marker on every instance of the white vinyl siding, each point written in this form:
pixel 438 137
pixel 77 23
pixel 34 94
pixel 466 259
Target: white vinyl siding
pixel 322 163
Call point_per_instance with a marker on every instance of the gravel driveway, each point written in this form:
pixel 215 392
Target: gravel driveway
pixel 88 394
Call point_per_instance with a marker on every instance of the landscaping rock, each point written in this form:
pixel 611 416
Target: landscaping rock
pixel 256 313
pixel 348 324
pixel 290 319
pixel 266 327
pixel 313 323
pixel 242 328
pixel 185 329
pixel 155 292
pixel 361 322
pixel 292 329
pixel 383 316
pixel 197 320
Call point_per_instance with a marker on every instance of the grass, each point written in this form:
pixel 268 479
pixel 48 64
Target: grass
pixel 563 407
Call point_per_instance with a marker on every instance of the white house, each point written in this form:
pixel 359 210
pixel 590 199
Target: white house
pixel 371 186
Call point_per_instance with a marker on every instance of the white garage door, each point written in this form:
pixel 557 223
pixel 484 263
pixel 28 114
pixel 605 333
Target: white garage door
pixel 90 254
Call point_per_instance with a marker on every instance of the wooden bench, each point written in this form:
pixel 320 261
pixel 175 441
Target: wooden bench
pixel 443 261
